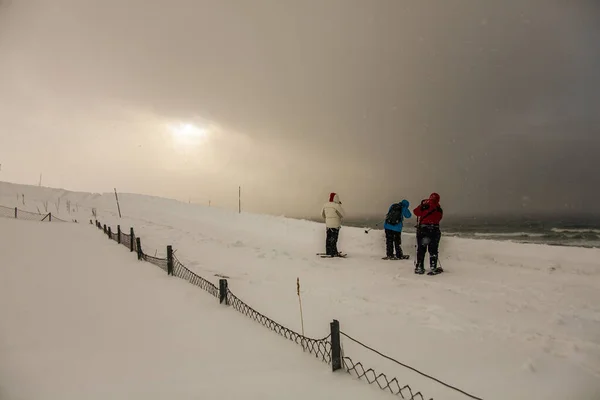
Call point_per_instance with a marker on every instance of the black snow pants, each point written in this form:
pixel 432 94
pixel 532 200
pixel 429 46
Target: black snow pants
pixel 393 241
pixel 331 241
pixel 428 239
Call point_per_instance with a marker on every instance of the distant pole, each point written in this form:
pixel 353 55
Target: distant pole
pixel 239 199
pixel 40 180
pixel 118 206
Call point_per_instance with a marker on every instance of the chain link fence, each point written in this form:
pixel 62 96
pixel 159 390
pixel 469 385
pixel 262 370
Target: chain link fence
pixel 369 375
pixel 180 271
pixel 328 349
pixel 14 212
pixel 126 240
pixel 320 348
pixel 162 263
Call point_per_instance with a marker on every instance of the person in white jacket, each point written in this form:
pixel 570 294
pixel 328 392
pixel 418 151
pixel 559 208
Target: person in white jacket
pixel 333 214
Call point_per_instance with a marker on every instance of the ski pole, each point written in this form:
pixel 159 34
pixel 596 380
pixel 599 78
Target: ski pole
pixel 367 230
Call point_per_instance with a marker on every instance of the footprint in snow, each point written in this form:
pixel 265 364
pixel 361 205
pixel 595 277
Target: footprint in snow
pixel 528 365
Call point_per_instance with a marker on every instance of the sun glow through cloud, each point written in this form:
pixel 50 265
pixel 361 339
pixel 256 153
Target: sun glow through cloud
pixel 187 135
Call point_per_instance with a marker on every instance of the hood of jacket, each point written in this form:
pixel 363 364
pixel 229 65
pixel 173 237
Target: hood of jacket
pixel 334 198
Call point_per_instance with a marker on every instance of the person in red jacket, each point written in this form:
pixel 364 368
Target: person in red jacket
pixel 429 214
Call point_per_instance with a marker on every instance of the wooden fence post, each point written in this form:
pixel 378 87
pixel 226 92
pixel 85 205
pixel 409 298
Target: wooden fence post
pixel 223 289
pixel 131 239
pixel 169 260
pixel 109 232
pixel 16 212
pixel 105 231
pixel 50 217
pixel 119 234
pixel 138 243
pixel 336 348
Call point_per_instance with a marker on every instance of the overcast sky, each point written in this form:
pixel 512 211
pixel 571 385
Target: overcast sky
pixel 493 104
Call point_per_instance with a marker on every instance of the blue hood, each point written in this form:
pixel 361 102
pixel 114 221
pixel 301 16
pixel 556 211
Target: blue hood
pixel 405 212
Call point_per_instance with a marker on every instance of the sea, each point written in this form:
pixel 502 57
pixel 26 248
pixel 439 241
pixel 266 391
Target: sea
pixel 578 231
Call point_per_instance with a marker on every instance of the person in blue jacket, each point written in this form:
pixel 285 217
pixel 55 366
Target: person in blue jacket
pixel 393 229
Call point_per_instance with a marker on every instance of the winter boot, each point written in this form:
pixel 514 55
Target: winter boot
pixel 435 269
pixel 419 269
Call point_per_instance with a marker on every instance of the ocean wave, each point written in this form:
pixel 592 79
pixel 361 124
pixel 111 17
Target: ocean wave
pixel 575 230
pixel 508 234
pixel 579 238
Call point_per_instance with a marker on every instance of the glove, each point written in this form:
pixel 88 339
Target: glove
pixel 424 205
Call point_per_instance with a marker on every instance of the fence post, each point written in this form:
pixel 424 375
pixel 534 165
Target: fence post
pixel 50 217
pixel 336 348
pixel 119 234
pixel 169 260
pixel 15 212
pixel 105 231
pixel 138 242
pixel 131 238
pixel 223 288
pixel 109 232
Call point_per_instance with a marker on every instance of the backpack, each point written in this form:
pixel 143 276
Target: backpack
pixel 394 216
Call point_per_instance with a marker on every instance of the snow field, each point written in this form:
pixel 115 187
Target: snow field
pixel 82 318
pixel 506 321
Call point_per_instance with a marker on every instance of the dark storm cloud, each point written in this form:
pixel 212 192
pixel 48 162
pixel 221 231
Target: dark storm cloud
pixel 492 104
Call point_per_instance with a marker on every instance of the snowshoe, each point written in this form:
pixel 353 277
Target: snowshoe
pixel 403 257
pixel 419 270
pixel 341 255
pixel 435 271
pixel 389 258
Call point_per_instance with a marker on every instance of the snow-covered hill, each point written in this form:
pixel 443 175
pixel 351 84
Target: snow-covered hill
pixel 506 321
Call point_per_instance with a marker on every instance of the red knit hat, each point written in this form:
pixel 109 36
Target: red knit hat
pixel 331 196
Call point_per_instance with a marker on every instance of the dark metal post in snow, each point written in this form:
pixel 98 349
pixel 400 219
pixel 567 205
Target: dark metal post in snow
pixel 223 289
pixel 131 239
pixel 119 234
pixel 336 347
pixel 109 232
pixel 16 210
pixel 138 243
pixel 169 260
